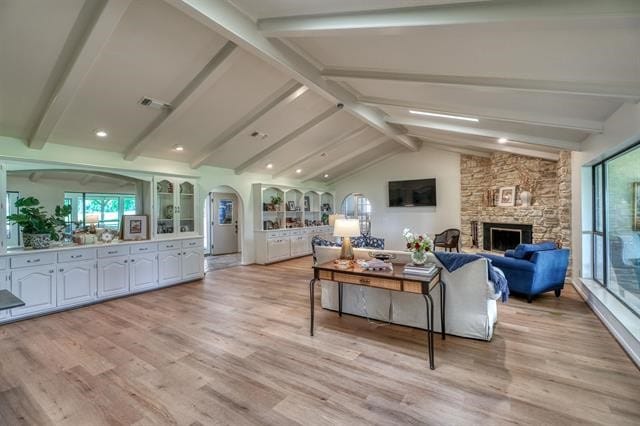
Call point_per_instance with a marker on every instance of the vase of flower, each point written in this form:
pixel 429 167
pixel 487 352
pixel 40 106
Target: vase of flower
pixel 525 198
pixel 418 245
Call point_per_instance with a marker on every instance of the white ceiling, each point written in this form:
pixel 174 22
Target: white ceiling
pixel 545 76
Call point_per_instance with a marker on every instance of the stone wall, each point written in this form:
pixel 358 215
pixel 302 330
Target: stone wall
pixel 550 209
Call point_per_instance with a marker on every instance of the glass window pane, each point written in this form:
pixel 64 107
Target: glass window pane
pixel 622 203
pixel 598 258
pixel 597 197
pixel 225 212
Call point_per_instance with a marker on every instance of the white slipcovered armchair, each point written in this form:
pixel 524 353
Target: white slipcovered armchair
pixel 470 303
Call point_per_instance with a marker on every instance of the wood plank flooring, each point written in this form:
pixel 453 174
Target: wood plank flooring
pixel 234 349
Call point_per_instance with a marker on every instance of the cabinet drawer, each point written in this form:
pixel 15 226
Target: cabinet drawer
pixel 196 242
pixel 412 286
pixel 143 248
pixel 4 263
pixel 325 275
pixel 33 260
pixel 368 281
pixel 75 255
pixel 169 245
pixel 113 251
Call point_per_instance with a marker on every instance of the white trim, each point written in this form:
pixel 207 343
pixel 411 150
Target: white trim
pixel 609 310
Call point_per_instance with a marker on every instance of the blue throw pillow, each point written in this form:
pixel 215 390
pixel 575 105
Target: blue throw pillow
pixel 525 251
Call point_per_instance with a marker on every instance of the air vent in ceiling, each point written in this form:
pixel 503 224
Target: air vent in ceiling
pixel 154 103
pixel 259 135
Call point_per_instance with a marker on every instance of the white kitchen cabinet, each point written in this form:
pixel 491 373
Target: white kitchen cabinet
pixel 143 272
pixel 5 284
pixel 300 245
pixel 278 248
pixel 113 276
pixel 192 263
pixel 77 282
pixel 175 207
pixel 169 267
pixel 36 286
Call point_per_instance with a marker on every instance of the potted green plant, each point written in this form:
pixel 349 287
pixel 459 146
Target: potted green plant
pixel 276 199
pixel 38 227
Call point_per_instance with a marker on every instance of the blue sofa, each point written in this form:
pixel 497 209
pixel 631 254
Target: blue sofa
pixel 532 269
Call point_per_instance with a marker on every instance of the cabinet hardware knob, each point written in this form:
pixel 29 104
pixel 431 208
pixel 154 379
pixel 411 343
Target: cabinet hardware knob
pixel 51 271
pixel 364 281
pixel 133 260
pixel 61 270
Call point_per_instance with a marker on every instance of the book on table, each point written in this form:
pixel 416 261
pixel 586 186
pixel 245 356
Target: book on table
pixel 426 270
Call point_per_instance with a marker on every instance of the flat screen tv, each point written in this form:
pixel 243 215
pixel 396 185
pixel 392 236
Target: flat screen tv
pixel 412 193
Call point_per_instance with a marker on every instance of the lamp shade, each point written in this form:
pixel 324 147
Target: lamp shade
pixel 333 217
pixel 346 228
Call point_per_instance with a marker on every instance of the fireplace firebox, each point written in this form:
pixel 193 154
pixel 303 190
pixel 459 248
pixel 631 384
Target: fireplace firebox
pixel 505 236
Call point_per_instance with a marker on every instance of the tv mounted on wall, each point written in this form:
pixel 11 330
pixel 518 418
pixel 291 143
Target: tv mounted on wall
pixel 412 193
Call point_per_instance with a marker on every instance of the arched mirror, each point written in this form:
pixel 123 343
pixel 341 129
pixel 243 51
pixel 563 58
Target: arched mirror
pixel 357 206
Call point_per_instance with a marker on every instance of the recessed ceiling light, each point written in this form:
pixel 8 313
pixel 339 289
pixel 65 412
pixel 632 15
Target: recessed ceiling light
pixel 503 140
pixel 269 166
pixel 101 133
pixel 298 171
pixel 433 114
pixel 326 175
pixel 324 154
pixel 178 148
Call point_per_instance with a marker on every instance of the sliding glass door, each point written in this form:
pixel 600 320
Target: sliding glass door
pixel 616 226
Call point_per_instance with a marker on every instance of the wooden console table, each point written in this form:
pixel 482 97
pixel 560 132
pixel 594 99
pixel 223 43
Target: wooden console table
pixel 394 280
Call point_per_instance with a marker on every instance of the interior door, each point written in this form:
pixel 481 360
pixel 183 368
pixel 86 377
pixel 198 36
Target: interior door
pixel 224 223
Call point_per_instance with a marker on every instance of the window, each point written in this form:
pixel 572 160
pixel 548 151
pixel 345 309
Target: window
pixel 225 212
pixel 616 226
pixel 102 210
pixel 358 206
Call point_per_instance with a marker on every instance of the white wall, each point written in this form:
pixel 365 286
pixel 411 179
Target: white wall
pixel 388 222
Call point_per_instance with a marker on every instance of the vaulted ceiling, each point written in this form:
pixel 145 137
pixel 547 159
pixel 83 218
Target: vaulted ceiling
pixel 315 89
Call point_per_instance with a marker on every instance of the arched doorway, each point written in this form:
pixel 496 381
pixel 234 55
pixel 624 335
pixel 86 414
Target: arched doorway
pixel 223 228
pixel 358 206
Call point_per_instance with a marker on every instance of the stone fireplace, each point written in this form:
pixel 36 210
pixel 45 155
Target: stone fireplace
pixel 505 236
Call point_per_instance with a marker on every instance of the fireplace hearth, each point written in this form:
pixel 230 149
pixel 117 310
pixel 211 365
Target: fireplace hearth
pixel 505 236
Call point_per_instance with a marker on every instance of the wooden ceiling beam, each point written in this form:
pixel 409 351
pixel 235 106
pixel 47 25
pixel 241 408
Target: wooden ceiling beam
pixel 533 140
pixel 291 166
pixel 480 12
pixel 207 77
pixel 286 94
pixel 96 22
pixel 228 21
pixel 286 139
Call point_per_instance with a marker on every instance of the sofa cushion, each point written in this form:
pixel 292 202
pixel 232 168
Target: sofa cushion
pixel 525 251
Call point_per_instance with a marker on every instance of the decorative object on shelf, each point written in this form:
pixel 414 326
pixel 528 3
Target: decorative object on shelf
pixel 107 235
pixel 636 206
pixel 525 198
pixel 168 211
pixel 474 234
pixel 380 255
pixel 507 196
pixel 307 203
pixel 291 206
pixel 418 245
pixel 134 227
pixel 276 200
pixel 529 181
pixel 489 198
pixel 326 207
pixel 346 228
pixel 38 228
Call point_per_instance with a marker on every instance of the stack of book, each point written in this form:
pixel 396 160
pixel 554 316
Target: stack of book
pixel 427 270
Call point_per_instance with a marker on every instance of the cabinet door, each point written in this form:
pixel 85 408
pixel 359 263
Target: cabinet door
pixel 278 249
pixel 170 267
pixel 143 272
pixel 113 276
pixel 300 245
pixel 187 211
pixel 192 264
pixel 76 282
pixel 165 206
pixel 36 287
pixel 5 284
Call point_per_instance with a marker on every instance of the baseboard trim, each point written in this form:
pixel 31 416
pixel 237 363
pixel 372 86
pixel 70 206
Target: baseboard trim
pixel 604 309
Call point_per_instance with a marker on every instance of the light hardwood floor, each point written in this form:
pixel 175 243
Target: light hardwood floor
pixel 235 349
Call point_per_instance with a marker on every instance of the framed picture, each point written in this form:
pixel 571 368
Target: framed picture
pixel 307 204
pixel 636 206
pixel 291 206
pixel 135 227
pixel 507 196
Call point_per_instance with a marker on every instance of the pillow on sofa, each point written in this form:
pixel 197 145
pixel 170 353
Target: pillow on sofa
pixel 525 251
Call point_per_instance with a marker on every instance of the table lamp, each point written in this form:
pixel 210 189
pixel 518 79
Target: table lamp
pixel 346 228
pixel 333 217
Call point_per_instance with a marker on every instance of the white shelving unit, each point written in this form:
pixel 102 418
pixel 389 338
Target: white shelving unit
pixel 286 218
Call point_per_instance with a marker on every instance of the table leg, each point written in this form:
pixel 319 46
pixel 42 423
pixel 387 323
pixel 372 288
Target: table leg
pixel 443 301
pixel 312 284
pixel 429 303
pixel 339 299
